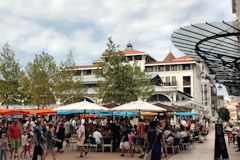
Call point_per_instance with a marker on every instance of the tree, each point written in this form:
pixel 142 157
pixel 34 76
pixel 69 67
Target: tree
pixel 42 74
pixel 224 114
pixel 10 72
pixel 121 82
pixel 67 88
pixel 69 62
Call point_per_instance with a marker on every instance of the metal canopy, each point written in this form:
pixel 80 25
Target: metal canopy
pixel 217 44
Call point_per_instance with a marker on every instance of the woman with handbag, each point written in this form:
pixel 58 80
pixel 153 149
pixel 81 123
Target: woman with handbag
pixel 155 137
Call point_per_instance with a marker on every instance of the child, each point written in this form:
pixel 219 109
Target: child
pixel 3 147
pixel 26 144
pixel 130 141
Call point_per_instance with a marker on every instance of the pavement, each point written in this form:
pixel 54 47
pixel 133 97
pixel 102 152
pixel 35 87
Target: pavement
pixel 200 151
pixel 231 152
pixel 205 151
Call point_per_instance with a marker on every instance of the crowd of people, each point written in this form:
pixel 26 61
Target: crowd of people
pixel 232 130
pixel 35 137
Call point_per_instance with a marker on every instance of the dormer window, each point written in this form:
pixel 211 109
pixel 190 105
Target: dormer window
pixel 87 72
pixel 129 58
pixel 186 67
pixel 138 57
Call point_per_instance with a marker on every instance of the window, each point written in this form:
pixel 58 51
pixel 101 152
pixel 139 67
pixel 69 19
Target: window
pixel 163 78
pixel 186 81
pixel 160 68
pixel 186 66
pixel 77 73
pixel 174 81
pixel 167 68
pixel 90 85
pixel 149 69
pixel 167 79
pixel 155 69
pixel 129 58
pixel 187 90
pixel 87 72
pixel 138 57
pixel 173 67
pixel 167 82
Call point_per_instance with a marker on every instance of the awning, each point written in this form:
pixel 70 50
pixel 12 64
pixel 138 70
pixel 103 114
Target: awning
pixel 217 44
pixel 185 114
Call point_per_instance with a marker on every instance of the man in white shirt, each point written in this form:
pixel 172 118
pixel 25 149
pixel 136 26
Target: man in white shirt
pixel 81 137
pixel 183 122
pixel 98 137
pixel 32 124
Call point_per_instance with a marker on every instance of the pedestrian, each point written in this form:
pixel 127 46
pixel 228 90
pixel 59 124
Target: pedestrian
pixel 50 142
pixel 60 136
pixel 3 146
pixel 68 131
pixel 130 141
pixel 81 138
pixel 155 138
pixel 140 137
pixel 124 144
pixel 26 144
pixel 15 137
pixel 38 139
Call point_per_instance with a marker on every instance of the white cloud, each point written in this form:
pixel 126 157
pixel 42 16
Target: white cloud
pixel 83 26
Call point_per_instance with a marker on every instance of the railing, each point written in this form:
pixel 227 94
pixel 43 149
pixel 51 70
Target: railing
pixel 170 83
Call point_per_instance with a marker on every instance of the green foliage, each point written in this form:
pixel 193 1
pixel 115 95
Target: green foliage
pixel 10 72
pixel 50 83
pixel 121 82
pixel 224 114
pixel 67 89
pixel 42 76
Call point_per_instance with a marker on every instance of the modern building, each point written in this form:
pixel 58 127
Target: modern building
pixel 179 80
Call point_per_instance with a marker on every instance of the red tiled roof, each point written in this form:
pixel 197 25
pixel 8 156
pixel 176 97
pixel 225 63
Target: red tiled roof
pixel 83 67
pixel 183 58
pixel 169 57
pixel 132 52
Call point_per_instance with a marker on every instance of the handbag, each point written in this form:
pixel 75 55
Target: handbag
pixel 148 156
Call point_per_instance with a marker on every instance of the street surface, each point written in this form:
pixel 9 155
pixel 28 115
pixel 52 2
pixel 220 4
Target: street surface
pixel 200 151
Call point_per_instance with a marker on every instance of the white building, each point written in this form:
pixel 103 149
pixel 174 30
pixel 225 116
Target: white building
pixel 181 81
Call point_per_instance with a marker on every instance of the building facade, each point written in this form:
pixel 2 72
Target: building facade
pixel 181 81
pixel 232 103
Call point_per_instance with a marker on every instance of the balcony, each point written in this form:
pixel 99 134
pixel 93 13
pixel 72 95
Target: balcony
pixel 170 83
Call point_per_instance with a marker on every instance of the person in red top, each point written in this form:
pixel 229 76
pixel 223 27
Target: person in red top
pixel 15 137
pixel 140 136
pixel 189 123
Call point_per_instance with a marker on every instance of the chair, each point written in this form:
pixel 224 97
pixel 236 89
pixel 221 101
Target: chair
pixel 107 143
pixel 93 144
pixel 196 135
pixel 86 143
pixel 230 137
pixel 186 142
pixel 175 146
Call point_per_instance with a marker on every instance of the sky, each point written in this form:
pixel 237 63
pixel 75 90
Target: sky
pixel 83 26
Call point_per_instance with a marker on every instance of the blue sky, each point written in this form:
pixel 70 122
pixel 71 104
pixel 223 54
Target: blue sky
pixel 83 26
